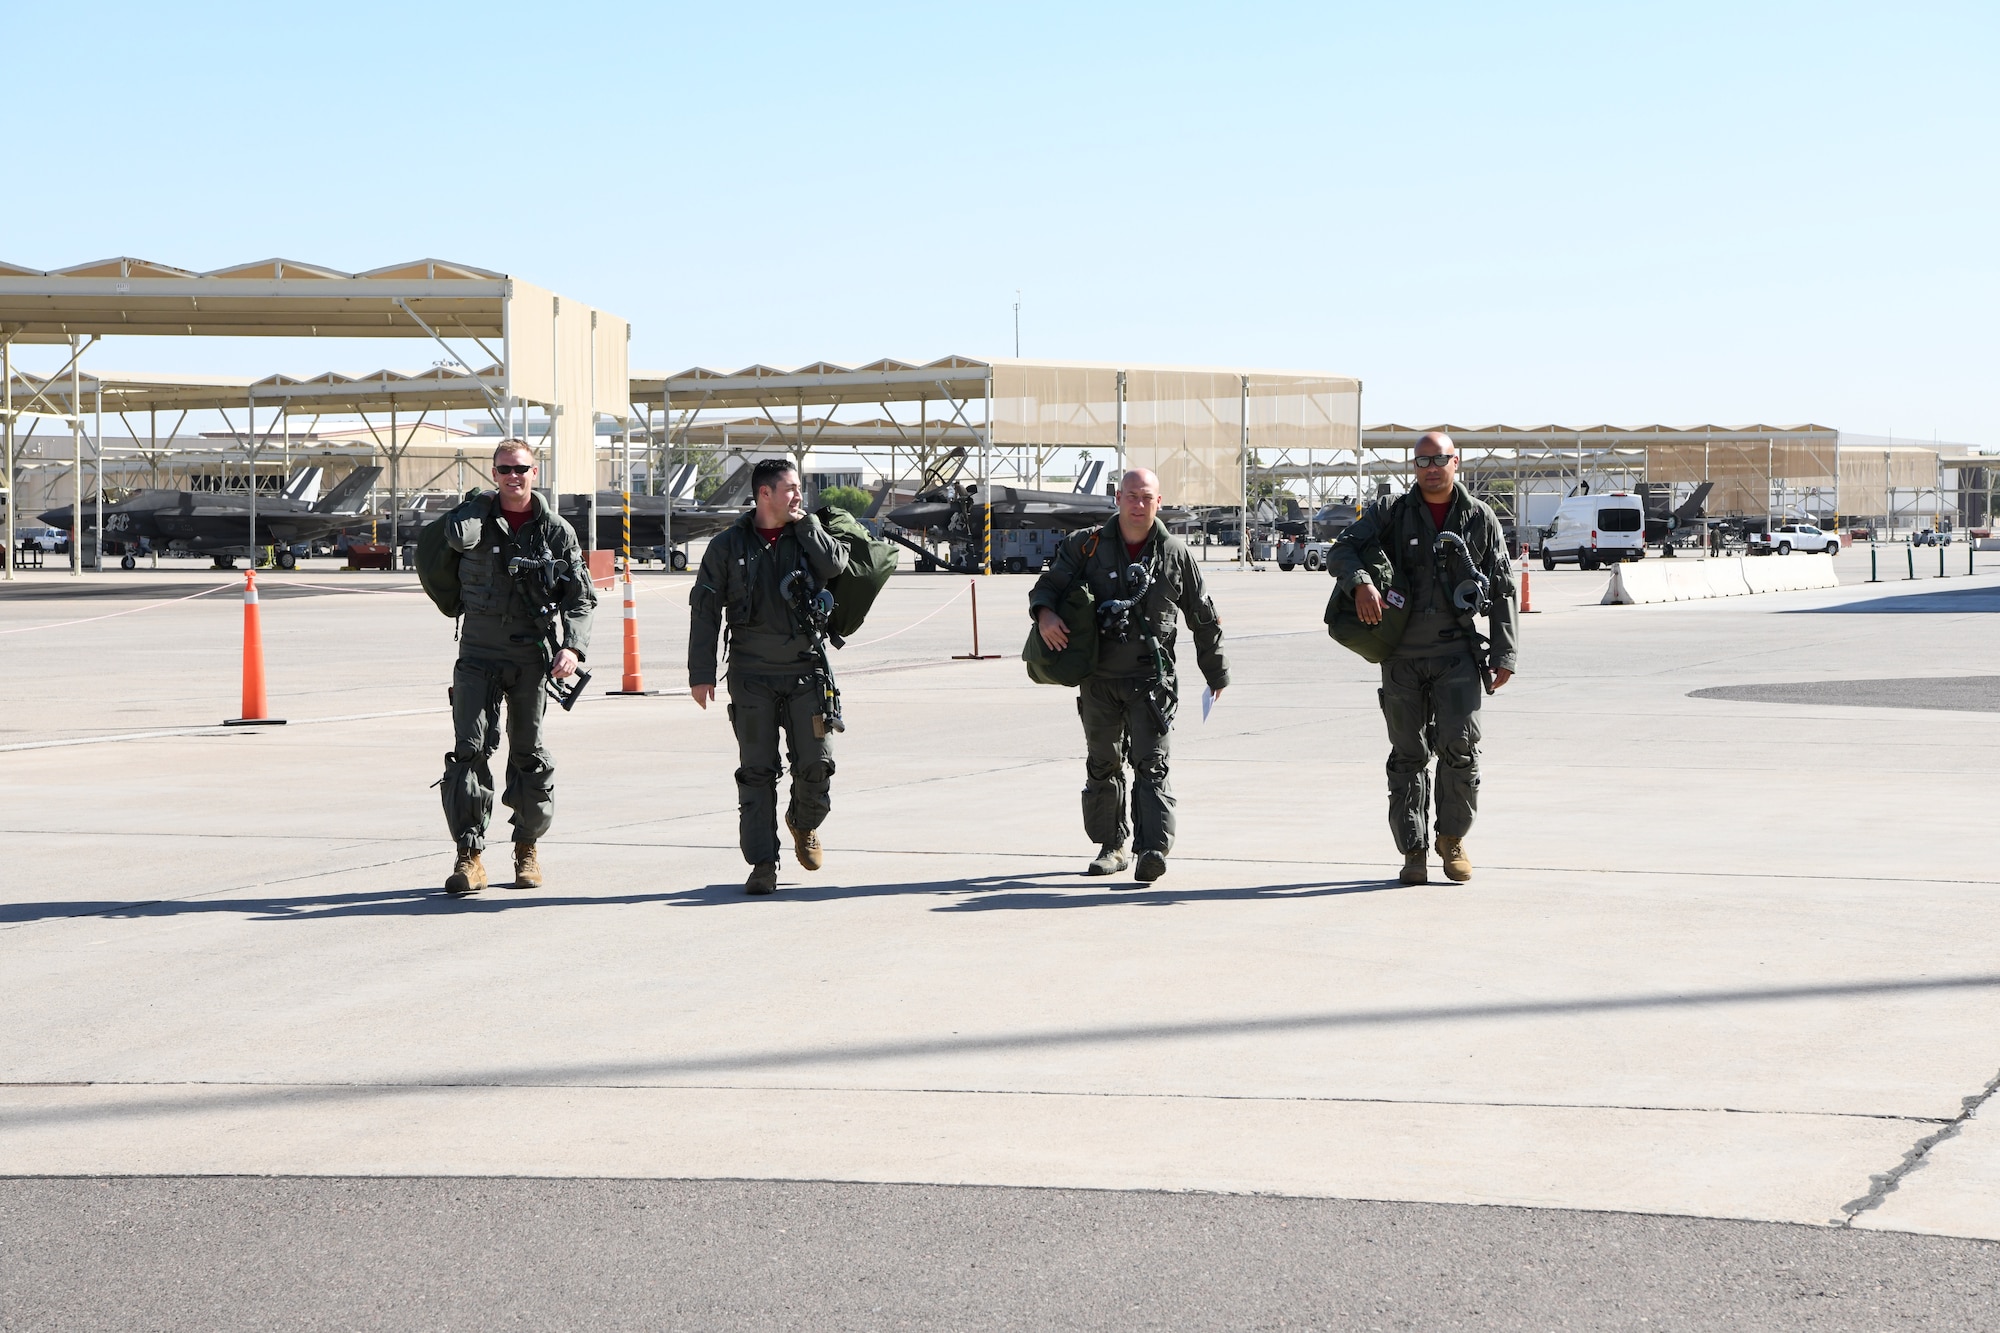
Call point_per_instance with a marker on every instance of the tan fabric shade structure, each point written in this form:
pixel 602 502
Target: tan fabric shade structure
pixel 552 352
pixel 1754 468
pixel 330 394
pixel 274 298
pixel 1193 425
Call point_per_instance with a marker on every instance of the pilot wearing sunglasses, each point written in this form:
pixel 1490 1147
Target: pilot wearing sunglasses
pixel 1432 681
pixel 502 664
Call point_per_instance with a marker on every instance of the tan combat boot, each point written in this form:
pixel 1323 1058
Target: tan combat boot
pixel 1416 869
pixel 763 878
pixel 467 874
pixel 527 866
pixel 1110 859
pixel 1457 865
pixel 805 845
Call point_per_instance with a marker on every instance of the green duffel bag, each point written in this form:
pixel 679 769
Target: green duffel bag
pixel 1374 642
pixel 1077 662
pixel 870 562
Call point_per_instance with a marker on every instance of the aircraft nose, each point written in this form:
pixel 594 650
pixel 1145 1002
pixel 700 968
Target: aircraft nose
pixel 55 518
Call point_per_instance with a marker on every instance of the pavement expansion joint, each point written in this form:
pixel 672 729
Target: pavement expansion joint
pixel 572 1085
pixel 1883 1185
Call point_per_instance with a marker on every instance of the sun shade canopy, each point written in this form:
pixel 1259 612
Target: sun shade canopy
pixel 555 353
pixel 1193 425
pixel 330 394
pixel 276 298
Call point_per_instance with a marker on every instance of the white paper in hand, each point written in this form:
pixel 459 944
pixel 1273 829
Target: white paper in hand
pixel 1207 702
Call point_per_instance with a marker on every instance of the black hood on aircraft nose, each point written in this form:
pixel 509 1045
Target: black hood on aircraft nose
pixel 922 514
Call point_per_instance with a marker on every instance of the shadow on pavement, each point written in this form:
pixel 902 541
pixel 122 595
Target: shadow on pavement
pixel 664 1069
pixel 432 901
pixel 991 893
pixel 427 901
pixel 1951 602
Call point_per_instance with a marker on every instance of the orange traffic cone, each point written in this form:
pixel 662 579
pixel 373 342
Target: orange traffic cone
pixel 1526 608
pixel 254 707
pixel 634 684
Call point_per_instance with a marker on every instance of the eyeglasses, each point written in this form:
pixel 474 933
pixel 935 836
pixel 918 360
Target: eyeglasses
pixel 512 469
pixel 1434 460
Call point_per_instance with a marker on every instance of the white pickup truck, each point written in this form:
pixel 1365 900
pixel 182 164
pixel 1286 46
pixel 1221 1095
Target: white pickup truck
pixel 1801 537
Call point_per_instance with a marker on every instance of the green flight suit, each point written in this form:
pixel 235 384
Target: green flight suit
pixel 501 662
pixel 1431 690
pixel 771 688
pixel 1128 705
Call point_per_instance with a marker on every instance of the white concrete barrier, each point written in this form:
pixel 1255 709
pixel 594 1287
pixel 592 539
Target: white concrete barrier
pixel 1694 580
pixel 1789 573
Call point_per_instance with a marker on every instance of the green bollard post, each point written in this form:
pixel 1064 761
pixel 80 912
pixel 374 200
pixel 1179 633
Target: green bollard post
pixel 1941 572
pixel 1911 552
pixel 1874 570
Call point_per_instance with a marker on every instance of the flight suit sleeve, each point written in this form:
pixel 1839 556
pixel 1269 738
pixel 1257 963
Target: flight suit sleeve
pixel 1345 560
pixel 1054 584
pixel 579 604
pixel 823 551
pixel 1198 609
pixel 705 611
pixel 1505 618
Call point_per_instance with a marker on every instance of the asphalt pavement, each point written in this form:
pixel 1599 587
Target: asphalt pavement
pixel 225 1254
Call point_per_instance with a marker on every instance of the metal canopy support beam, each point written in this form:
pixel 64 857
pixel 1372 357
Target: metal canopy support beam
pixel 493 408
pixel 7 425
pixel 97 498
pixel 76 474
pixel 1243 461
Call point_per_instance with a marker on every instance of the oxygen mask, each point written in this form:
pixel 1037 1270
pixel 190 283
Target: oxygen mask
pixel 1114 618
pixel 1470 589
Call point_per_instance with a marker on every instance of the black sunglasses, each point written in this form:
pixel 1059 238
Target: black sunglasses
pixel 1434 460
pixel 513 469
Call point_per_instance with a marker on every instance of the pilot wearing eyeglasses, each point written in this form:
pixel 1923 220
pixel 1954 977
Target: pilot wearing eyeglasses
pixel 1434 538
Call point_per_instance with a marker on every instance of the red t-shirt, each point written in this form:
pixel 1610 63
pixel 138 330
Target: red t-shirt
pixel 770 535
pixel 515 522
pixel 1132 549
pixel 1438 512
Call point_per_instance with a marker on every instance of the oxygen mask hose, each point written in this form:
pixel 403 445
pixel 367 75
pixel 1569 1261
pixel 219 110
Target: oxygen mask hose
pixel 814 610
pixel 1470 589
pixel 1470 593
pixel 1114 618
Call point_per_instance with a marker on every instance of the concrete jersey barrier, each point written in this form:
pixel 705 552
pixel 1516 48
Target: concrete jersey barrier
pixel 1695 580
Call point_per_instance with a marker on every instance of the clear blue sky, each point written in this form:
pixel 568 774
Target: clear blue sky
pixel 1679 213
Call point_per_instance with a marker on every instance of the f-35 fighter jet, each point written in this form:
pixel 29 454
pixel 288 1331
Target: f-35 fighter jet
pixel 218 523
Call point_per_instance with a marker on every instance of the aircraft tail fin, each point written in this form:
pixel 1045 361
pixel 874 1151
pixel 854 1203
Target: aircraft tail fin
pixel 351 494
pixel 1086 484
pixel 734 490
pixel 1691 508
pixel 680 484
pixel 875 505
pixel 305 486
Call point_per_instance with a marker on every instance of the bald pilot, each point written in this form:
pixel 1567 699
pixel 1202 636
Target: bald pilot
pixel 1128 705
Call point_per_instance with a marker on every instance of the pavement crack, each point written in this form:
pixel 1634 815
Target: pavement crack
pixel 1883 1185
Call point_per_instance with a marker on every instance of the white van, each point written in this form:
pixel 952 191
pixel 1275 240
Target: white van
pixel 1593 530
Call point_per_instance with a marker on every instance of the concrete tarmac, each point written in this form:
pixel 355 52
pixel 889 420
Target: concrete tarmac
pixel 1723 958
